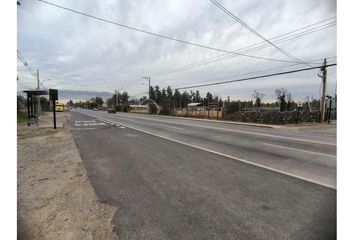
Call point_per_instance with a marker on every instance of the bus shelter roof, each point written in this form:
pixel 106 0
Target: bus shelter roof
pixel 36 92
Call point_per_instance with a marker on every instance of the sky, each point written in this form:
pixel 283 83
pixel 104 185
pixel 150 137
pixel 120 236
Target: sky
pixel 75 52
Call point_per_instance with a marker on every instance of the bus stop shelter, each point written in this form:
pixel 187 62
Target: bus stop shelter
pixel 32 103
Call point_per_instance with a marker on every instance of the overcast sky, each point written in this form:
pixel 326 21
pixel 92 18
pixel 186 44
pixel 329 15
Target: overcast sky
pixel 79 53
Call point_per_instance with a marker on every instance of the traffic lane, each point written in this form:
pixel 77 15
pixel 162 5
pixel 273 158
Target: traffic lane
pixel 311 136
pixel 182 129
pixel 285 156
pixel 308 165
pixel 165 190
pixel 314 166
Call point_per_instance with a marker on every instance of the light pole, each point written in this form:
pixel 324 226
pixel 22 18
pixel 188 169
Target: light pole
pixel 148 78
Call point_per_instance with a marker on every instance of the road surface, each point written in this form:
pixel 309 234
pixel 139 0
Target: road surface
pixel 186 179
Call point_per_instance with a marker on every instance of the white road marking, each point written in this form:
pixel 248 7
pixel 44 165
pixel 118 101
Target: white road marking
pixel 79 129
pixel 239 131
pixel 122 127
pixel 301 150
pixel 235 158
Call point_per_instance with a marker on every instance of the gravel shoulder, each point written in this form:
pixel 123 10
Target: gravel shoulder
pixel 55 199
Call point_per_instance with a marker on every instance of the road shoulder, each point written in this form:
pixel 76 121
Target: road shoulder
pixel 55 199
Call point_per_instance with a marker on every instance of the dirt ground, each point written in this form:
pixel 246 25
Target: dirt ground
pixel 55 199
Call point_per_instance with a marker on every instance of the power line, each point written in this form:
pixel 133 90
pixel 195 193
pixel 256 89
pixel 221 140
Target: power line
pixel 25 63
pixel 256 77
pixel 237 19
pixel 159 35
pixel 23 83
pixel 266 70
pixel 256 46
pixel 138 94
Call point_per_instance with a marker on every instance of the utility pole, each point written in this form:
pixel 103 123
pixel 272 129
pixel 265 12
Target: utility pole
pixel 324 86
pixel 38 97
pixel 37 79
pixel 148 78
pixel 116 101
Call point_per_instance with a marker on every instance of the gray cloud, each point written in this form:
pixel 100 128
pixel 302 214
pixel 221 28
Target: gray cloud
pixel 78 53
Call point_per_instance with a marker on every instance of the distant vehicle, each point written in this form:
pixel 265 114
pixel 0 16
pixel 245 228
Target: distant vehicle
pixel 59 107
pixel 112 110
pixel 95 109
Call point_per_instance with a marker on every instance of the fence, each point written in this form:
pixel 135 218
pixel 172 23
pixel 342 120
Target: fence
pixel 211 114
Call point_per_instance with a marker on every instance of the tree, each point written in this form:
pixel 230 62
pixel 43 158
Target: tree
pixel 157 95
pixel 152 94
pixel 208 99
pixel 99 101
pixel 45 104
pixel 163 95
pixel 177 98
pixel 258 98
pixel 289 101
pixel 185 99
pixel 21 103
pixel 169 93
pixel 125 97
pixel 125 100
pixel 281 93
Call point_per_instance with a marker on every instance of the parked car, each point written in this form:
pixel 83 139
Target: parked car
pixel 95 109
pixel 112 110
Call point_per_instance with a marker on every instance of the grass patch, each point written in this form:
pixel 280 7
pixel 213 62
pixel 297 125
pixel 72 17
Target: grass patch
pixel 21 117
pixel 37 133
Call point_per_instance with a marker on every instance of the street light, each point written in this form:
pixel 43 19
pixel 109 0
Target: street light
pixel 148 78
pixel 44 81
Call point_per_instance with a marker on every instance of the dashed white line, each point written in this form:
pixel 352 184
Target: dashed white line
pixel 301 150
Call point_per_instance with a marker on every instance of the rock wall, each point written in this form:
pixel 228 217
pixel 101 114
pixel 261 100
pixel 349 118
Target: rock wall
pixel 274 117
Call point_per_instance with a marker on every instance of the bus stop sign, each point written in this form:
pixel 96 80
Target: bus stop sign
pixel 53 94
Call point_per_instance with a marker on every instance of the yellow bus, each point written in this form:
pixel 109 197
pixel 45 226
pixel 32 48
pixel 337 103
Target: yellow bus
pixel 59 107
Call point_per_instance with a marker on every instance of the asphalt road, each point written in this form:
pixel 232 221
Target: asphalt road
pixel 185 179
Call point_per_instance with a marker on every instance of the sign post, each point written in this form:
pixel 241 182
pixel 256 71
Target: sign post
pixel 53 95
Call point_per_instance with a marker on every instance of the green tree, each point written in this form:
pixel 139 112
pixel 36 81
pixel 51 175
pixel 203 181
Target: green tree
pixel 99 101
pixel 197 96
pixel 152 94
pixel 169 93
pixel 177 98
pixel 45 104
pixel 157 95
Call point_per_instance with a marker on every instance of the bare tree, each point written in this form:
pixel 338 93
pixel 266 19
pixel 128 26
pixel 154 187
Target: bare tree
pixel 258 97
pixel 289 100
pixel 281 93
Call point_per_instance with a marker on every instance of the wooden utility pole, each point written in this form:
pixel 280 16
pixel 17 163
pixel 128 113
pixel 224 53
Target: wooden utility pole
pixel 148 78
pixel 324 88
pixel 38 97
pixel 116 100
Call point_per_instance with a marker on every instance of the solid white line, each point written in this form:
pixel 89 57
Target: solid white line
pixel 235 158
pixel 279 146
pixel 238 131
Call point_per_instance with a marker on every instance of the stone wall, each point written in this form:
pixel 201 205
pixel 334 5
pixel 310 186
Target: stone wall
pixel 274 117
